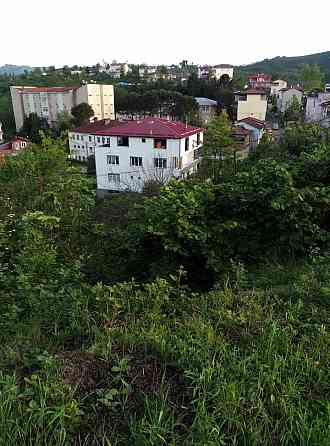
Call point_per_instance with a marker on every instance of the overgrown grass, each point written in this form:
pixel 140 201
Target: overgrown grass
pixel 245 364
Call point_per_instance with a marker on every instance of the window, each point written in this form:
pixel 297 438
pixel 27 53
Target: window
pixel 136 161
pixel 103 140
pixel 114 178
pixel 112 159
pixel 78 147
pixel 122 141
pixel 108 141
pixel 198 139
pixel 98 139
pixel 143 140
pixel 186 144
pixel 160 163
pixel 74 146
pixel 159 143
pixel 90 139
pixel 91 149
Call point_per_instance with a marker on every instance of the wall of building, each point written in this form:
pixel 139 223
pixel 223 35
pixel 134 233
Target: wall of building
pixel 133 177
pixel 219 72
pixel 18 109
pixel 286 98
pixel 255 106
pixel 277 86
pixel 314 111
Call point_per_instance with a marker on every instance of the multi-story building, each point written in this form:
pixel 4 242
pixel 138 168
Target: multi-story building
pixel 256 127
pixel 260 80
pixel 117 70
pixel 314 109
pixel 207 109
pixel 252 103
pixel 152 149
pixel 82 140
pixel 48 102
pixel 325 121
pixel 13 147
pixel 277 86
pixel 285 97
pixel 216 71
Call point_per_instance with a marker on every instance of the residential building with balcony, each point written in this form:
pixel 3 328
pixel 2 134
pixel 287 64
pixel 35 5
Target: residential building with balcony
pixel 83 139
pixel 152 149
pixel 251 103
pixel 207 109
pixel 260 81
pixel 48 102
pixel 313 110
pixel 216 71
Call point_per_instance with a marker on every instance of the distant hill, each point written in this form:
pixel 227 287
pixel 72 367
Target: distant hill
pixel 14 69
pixel 289 66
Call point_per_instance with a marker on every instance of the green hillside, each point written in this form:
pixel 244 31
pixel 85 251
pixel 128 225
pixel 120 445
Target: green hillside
pixel 290 66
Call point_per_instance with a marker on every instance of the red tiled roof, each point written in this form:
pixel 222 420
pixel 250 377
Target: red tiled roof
pixel 240 131
pixel 91 127
pixel 254 122
pixel 152 127
pixel 46 89
pixel 252 91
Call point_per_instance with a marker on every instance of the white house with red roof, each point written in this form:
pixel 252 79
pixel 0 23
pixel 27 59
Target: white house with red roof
pixel 13 147
pixel 152 149
pixel 83 139
pixel 48 102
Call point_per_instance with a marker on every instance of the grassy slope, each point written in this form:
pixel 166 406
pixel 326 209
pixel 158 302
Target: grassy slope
pixel 247 364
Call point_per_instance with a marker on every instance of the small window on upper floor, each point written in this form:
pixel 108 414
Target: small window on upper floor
pixel 123 141
pixel 186 144
pixel 198 139
pixel 143 140
pixel 160 143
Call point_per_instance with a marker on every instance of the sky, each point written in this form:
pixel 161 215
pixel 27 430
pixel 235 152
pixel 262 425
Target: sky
pixel 84 32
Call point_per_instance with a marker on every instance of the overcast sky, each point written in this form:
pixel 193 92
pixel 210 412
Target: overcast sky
pixel 84 32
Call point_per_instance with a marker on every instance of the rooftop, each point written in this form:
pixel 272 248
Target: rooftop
pixel 152 127
pixel 46 89
pixel 206 101
pixel 224 65
pixel 253 122
pixel 91 127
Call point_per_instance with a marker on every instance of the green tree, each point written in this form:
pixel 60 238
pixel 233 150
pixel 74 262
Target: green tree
pixel 217 148
pixel 32 127
pixel 82 113
pixel 293 111
pixel 311 77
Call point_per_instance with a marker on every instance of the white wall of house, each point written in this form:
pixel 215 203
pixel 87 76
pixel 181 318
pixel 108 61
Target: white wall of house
pixel 277 85
pixel 254 106
pixel 219 72
pixel 117 170
pixel 1 132
pixel 314 111
pixel 82 145
pixel 285 98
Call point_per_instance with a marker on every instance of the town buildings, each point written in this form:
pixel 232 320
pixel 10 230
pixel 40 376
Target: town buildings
pixel 118 70
pixel 285 97
pixel 13 147
pixel 150 150
pixel 48 102
pixel 277 85
pixel 256 127
pixel 251 103
pixel 325 121
pixel 314 109
pixel 216 71
pixel 207 109
pixel 1 133
pixel 82 140
pixel 260 81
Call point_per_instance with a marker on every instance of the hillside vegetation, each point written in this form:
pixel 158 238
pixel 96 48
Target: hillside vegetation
pixel 289 67
pixel 199 316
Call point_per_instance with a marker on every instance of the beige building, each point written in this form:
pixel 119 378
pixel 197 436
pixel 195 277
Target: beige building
pixel 252 103
pixel 277 86
pixel 286 96
pixel 48 102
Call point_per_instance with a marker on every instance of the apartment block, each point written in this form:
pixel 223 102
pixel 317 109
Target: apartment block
pixel 48 102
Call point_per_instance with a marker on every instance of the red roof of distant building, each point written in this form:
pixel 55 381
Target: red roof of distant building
pixel 293 87
pixel 254 122
pixel 240 131
pixel 46 89
pixel 152 127
pixel 91 127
